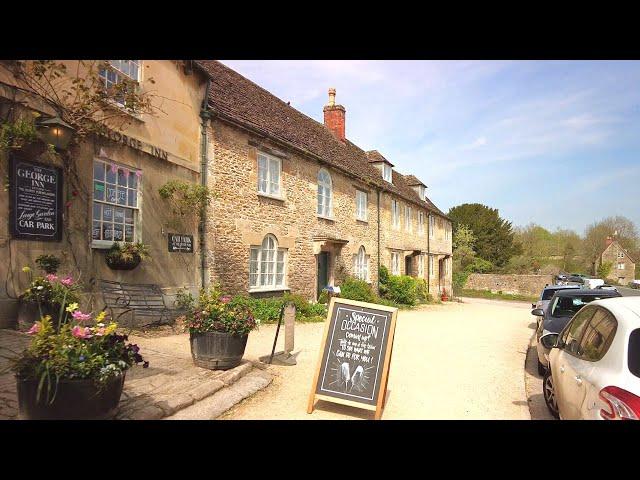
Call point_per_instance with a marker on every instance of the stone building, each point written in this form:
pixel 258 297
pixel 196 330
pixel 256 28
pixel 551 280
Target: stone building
pixel 623 268
pixel 116 181
pixel 298 206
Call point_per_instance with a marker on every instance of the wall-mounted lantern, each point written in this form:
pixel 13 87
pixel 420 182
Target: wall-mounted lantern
pixel 56 132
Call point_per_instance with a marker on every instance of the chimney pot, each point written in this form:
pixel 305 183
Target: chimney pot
pixel 334 116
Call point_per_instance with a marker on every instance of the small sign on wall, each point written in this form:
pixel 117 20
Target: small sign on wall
pixel 35 206
pixel 179 242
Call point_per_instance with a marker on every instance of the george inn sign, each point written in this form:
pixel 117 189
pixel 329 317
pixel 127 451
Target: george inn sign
pixel 134 143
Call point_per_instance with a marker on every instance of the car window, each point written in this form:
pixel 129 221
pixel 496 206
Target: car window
pixel 574 331
pixel 569 306
pixel 634 352
pixel 547 293
pixel 598 335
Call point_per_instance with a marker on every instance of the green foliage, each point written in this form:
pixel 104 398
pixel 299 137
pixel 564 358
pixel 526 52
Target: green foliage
pixel 51 293
pixel 48 263
pixel 480 265
pixel 14 135
pixel 127 251
pixel 355 289
pixel 604 269
pixel 402 289
pixel 494 236
pixel 186 198
pixel 267 310
pixel 459 279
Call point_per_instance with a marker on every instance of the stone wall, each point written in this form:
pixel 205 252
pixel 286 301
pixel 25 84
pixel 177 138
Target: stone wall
pixel 513 284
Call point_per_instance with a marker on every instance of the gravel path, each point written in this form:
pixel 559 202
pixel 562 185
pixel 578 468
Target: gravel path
pixel 452 361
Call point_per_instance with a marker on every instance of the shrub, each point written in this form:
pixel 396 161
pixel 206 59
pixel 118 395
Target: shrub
pixel 480 265
pixel 267 310
pixel 402 289
pixel 422 291
pixel 48 263
pixel 355 289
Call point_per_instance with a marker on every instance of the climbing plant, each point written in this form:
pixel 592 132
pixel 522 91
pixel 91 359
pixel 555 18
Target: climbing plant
pixel 186 199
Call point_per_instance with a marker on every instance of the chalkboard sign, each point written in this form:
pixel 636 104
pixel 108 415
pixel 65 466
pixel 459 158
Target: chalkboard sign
pixel 353 364
pixel 35 210
pixel 180 243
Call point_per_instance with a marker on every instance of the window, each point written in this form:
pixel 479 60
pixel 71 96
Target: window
pixel 432 223
pixel 387 173
pixel 395 214
pixel 598 335
pixel 407 218
pixel 620 255
pixel 269 175
pixel 361 205
pixel 420 223
pixel 620 266
pixel 447 232
pixel 267 265
pixel 633 357
pixel 362 265
pixel 569 306
pixel 325 200
pixel 115 203
pixel 119 71
pixel 431 272
pixel 575 329
pixel 421 192
pixel 395 263
pixel 445 266
pixel 421 266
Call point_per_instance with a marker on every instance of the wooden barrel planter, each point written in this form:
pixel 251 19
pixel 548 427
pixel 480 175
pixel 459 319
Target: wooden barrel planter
pixel 217 350
pixel 78 399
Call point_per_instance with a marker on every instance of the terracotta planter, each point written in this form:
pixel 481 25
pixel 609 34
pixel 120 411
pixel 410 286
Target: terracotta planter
pixel 217 350
pixel 74 400
pixel 444 298
pixel 119 264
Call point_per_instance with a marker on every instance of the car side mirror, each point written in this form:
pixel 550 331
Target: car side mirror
pixel 538 312
pixel 533 305
pixel 549 341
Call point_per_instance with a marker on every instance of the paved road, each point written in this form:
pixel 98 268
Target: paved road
pixel 454 361
pixel 629 292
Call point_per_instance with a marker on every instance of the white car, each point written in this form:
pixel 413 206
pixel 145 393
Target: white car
pixel 593 282
pixel 594 363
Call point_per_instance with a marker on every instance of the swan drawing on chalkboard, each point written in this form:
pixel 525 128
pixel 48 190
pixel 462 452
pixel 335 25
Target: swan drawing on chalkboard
pixel 343 375
pixel 357 379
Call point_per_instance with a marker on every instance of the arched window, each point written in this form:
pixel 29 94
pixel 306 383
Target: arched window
pixel 267 265
pixel 325 194
pixel 362 265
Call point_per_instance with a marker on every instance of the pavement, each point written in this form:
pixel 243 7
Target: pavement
pixel 450 361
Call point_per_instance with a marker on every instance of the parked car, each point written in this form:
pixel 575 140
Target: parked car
pixel 635 284
pixel 575 279
pixel 594 371
pixel 547 294
pixel 563 306
pixel 606 286
pixel 560 278
pixel 592 282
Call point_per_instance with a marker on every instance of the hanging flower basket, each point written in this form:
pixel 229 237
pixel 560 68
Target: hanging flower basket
pixel 119 263
pixel 126 256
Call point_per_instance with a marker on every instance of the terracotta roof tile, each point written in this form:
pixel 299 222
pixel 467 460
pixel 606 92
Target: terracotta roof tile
pixel 235 98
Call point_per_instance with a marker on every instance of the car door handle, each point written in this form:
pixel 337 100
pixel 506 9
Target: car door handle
pixel 562 369
pixel 578 379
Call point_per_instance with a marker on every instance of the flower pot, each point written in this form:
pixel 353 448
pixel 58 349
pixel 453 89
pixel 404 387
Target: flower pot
pixel 217 350
pixel 78 399
pixel 116 263
pixel 444 298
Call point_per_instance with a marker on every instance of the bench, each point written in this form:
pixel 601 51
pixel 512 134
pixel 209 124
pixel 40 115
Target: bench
pixel 144 300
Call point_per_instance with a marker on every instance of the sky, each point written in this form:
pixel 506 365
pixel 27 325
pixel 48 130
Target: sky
pixel 550 142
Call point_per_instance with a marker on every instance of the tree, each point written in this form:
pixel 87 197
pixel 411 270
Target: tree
pixel 604 269
pixel 463 252
pixel 623 229
pixel 494 235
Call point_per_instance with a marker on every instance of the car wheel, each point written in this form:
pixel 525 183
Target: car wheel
pixel 541 369
pixel 549 391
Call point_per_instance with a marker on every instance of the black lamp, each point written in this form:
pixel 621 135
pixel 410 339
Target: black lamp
pixel 56 132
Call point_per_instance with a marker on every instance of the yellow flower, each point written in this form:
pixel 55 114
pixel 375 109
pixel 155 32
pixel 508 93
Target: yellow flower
pixel 110 328
pixel 26 269
pixel 100 316
pixel 72 307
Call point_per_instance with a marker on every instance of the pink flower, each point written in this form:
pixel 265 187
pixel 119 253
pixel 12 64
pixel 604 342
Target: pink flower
pixel 81 317
pixel 113 168
pixel 100 331
pixel 138 173
pixel 81 332
pixel 225 299
pixel 35 328
pixel 67 281
pixel 52 277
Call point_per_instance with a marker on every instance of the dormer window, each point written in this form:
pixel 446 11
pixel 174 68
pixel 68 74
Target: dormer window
pixel 422 192
pixel 386 173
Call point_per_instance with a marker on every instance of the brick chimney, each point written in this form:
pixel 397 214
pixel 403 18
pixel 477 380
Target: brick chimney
pixel 334 116
pixel 608 241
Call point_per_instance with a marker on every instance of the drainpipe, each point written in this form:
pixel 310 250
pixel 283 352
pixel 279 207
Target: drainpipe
pixel 428 252
pixel 205 115
pixel 378 192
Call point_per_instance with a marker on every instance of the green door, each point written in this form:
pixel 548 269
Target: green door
pixel 323 271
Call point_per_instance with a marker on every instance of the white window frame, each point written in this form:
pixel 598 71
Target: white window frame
pixel 137 210
pixel 395 214
pixel 116 69
pixel 432 224
pixel 407 219
pixel 395 263
pixel 620 266
pixel 422 191
pixel 262 271
pixel 325 195
pixel 268 190
pixel 361 268
pixel 447 232
pixel 387 172
pixel 362 205
pixel 620 255
pixel 420 223
pixel 421 266
pixel 432 272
